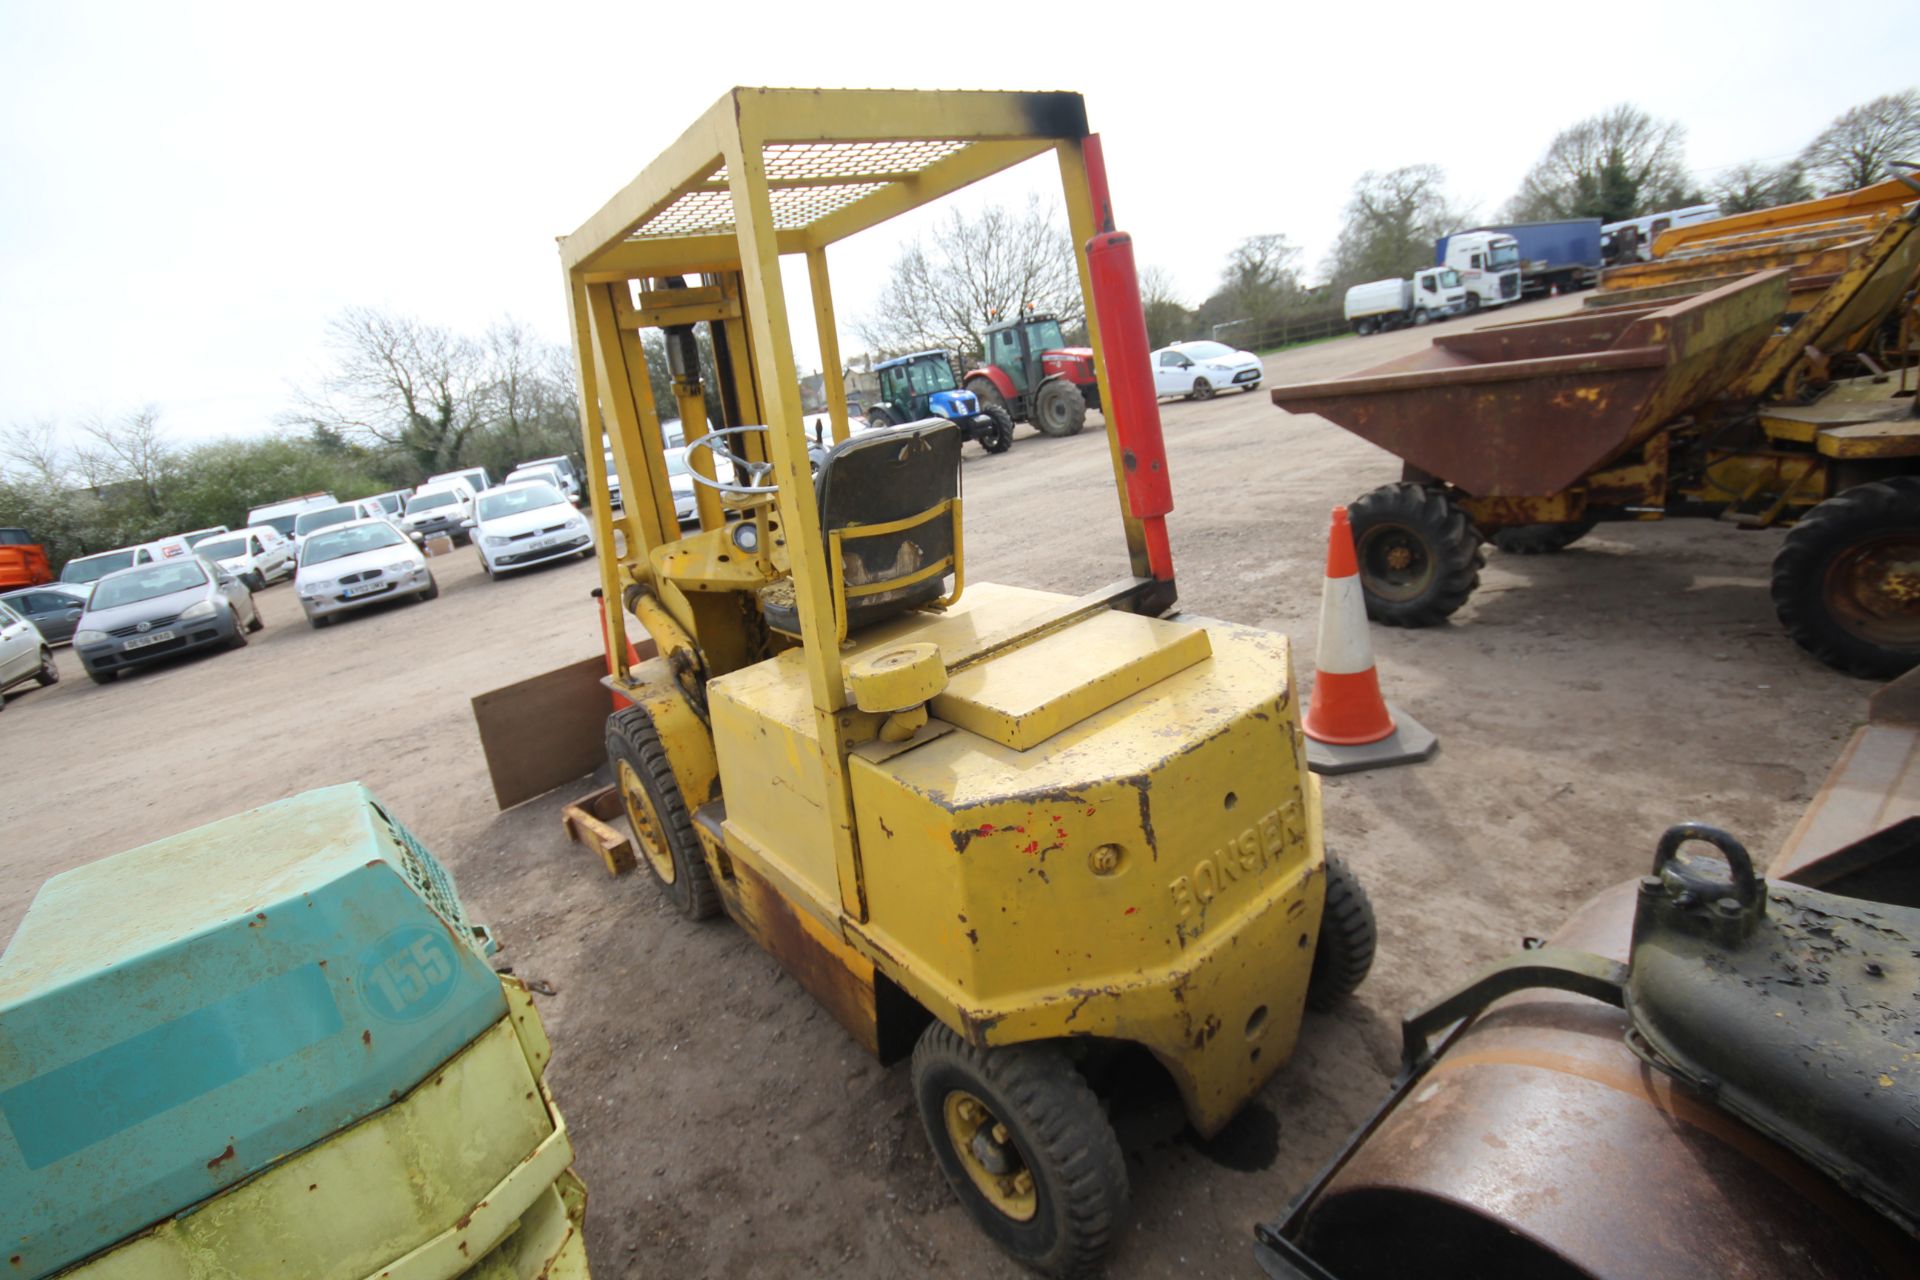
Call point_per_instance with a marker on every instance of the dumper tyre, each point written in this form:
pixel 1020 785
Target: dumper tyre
pixel 1420 557
pixel 1541 539
pixel 1843 582
pixel 1059 409
pixel 997 438
pixel 662 829
pixel 1343 956
pixel 1030 1113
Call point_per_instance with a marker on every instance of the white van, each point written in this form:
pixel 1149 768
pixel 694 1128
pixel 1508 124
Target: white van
pixel 281 514
pixel 446 507
pixel 314 518
pixel 256 555
pixel 475 478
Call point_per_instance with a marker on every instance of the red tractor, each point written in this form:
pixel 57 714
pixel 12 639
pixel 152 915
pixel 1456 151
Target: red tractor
pixel 1032 373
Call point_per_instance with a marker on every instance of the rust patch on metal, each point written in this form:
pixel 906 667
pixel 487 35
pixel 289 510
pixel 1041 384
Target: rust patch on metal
pixel 222 1158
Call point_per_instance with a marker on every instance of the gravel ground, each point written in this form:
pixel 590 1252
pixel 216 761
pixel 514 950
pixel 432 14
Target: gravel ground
pixel 724 1123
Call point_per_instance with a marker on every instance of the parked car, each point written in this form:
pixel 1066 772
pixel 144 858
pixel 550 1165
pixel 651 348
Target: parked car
pixel 680 478
pixel 613 480
pixel 545 472
pixel 282 514
pixel 393 503
pixel 24 654
pixel 312 521
pixel 516 526
pixel 256 556
pixel 475 478
pixel 571 483
pixel 136 616
pixel 54 608
pixel 1197 370
pixel 353 565
pixel 85 569
pixel 439 508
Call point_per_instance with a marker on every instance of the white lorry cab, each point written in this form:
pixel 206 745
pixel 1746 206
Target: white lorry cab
pixel 1432 294
pixel 1489 267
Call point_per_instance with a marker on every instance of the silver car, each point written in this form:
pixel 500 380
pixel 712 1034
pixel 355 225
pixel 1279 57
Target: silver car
pixel 139 615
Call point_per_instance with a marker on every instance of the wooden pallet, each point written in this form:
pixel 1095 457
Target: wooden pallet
pixel 587 821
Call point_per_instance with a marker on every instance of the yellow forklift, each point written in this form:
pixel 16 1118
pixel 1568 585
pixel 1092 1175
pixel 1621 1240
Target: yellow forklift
pixel 1048 845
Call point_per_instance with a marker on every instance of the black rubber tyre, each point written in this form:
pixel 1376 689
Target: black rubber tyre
pixel 1364 328
pixel 1056 1132
pixel 1421 316
pixel 1202 390
pixel 1059 409
pixel 1473 303
pixel 103 677
pixel 255 581
pixel 433 589
pixel 1420 557
pixel 1000 438
pixel 659 812
pixel 1844 584
pixel 1343 956
pixel 49 672
pixel 1541 539
pixel 259 623
pixel 238 640
pixel 881 416
pixel 988 395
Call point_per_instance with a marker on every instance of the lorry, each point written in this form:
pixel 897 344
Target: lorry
pixel 1560 255
pixel 23 560
pixel 1488 263
pixel 1631 239
pixel 1380 305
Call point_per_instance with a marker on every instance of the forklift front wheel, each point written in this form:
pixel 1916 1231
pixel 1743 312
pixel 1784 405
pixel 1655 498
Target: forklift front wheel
pixel 1026 1146
pixel 1343 956
pixel 658 813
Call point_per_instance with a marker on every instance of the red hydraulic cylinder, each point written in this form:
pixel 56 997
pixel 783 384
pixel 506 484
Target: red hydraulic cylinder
pixel 1135 411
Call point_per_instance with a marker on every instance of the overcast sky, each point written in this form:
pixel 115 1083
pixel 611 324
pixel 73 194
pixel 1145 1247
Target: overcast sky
pixel 189 191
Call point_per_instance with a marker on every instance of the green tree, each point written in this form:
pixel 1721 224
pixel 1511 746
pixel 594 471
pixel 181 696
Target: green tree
pixel 1613 166
pixel 1747 187
pixel 1261 278
pixel 1168 319
pixel 1392 220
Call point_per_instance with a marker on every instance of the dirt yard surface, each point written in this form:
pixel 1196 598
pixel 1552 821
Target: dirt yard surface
pixel 725 1125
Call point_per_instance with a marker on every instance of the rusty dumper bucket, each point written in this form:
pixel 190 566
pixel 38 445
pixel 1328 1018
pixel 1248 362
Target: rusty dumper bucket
pixel 1529 409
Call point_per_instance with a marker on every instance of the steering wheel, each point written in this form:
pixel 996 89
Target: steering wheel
pixel 758 473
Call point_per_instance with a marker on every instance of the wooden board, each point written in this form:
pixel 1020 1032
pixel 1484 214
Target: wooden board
pixel 544 732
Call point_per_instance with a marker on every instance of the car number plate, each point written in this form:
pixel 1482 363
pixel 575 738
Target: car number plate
pixel 363 588
pixel 541 544
pixel 153 637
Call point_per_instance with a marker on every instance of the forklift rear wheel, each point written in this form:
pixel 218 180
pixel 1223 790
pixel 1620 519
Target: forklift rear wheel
pixel 1541 539
pixel 1344 955
pixel 1060 409
pixel 662 830
pixel 999 438
pixel 1420 556
pixel 1846 583
pixel 1026 1146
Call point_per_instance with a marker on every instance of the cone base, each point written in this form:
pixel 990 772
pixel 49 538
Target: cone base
pixel 1409 743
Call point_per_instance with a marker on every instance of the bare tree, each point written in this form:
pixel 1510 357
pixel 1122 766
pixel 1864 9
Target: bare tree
pixel 32 454
pixel 1166 312
pixel 1857 148
pixel 401 384
pixel 1392 221
pixel 996 265
pixel 1747 187
pixel 1616 165
pixel 131 453
pixel 1261 278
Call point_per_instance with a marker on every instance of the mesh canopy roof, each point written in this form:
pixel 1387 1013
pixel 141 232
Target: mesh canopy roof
pixel 806 182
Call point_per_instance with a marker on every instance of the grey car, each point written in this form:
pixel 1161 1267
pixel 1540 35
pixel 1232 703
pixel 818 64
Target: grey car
pixel 140 615
pixel 55 608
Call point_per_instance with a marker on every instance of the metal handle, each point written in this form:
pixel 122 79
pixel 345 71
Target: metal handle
pixel 1746 885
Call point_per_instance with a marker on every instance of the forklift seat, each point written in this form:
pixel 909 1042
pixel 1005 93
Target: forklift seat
pixel 890 514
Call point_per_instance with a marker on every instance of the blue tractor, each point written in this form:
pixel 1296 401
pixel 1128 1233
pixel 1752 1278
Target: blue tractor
pixel 919 386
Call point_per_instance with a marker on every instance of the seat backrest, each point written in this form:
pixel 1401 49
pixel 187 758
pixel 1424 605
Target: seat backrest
pixel 890 512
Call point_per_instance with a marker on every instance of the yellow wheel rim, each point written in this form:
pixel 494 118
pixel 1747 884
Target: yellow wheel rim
pixel 646 832
pixel 989 1156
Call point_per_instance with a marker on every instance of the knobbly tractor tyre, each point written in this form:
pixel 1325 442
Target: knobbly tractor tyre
pixel 878 416
pixel 988 395
pixel 1027 1148
pixel 1541 539
pixel 662 829
pixel 1846 583
pixel 1343 956
pixel 1059 409
pixel 1420 557
pixel 999 438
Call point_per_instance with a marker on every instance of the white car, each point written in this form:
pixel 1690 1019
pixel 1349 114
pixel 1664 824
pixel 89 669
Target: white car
pixel 24 654
pixel 542 471
pixel 350 566
pixel 314 519
pixel 527 524
pixel 439 508
pixel 1197 370
pixel 256 555
pixel 680 479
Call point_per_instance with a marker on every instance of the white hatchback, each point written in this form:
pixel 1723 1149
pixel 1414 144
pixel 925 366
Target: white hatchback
pixel 350 566
pixel 527 524
pixel 1200 370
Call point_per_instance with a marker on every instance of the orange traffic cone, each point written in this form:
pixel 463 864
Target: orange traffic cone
pixel 1349 726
